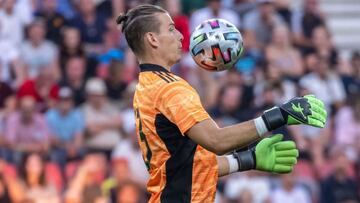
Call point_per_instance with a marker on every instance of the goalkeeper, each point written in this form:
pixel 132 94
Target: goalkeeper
pixel 183 148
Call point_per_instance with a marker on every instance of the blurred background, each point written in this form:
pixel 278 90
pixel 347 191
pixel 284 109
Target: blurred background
pixel 67 79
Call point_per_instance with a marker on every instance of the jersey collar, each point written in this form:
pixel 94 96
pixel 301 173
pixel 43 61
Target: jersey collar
pixel 151 67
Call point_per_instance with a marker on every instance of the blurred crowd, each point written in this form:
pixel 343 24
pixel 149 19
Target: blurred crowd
pixel 67 79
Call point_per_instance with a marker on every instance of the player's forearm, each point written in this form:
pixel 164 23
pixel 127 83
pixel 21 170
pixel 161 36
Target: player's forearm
pixel 236 136
pixel 223 140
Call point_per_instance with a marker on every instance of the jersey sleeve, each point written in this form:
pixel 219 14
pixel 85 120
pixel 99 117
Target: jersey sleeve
pixel 181 104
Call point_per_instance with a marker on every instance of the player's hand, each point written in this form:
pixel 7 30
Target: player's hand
pixel 276 156
pixel 306 110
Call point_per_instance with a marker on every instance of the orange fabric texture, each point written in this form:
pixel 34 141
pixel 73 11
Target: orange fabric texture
pixel 166 106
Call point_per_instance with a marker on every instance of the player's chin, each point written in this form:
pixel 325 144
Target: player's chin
pixel 178 57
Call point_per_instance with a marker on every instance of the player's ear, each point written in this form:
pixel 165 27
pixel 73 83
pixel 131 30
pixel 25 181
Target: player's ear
pixel 152 39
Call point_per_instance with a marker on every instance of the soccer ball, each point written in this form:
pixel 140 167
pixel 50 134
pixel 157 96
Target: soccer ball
pixel 216 45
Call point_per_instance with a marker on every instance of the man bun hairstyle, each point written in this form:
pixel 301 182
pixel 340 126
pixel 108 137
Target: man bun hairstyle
pixel 137 22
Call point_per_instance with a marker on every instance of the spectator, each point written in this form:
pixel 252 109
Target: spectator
pixel 6 93
pixel 8 186
pixel 281 89
pixel 213 10
pixel 110 52
pixel 54 20
pixel 12 69
pixel 127 111
pixel 228 110
pixel 129 192
pixel 7 107
pixel 85 187
pixel 12 23
pixel 351 79
pixel 284 10
pixel 102 120
pixel 91 25
pixel 289 191
pixel 304 21
pixel 71 46
pixel 347 127
pixel 245 197
pixel 283 55
pixel 259 23
pixel 75 69
pixel 37 52
pixel 240 185
pixel 322 46
pixel 128 162
pixel 339 186
pixel 324 83
pixel 115 82
pixel 26 130
pixel 242 7
pixel 66 127
pixel 43 88
pixel 33 183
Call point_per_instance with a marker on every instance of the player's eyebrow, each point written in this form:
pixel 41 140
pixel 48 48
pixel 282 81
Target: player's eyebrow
pixel 171 24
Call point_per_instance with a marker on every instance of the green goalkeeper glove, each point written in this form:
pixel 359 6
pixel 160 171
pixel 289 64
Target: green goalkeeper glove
pixel 276 156
pixel 270 154
pixel 306 110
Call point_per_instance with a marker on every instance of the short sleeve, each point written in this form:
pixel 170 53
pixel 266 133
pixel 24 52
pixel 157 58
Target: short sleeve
pixel 181 104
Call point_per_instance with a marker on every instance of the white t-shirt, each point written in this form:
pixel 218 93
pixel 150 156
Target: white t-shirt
pixel 8 54
pixel 253 22
pixel 329 90
pixel 107 139
pixel 38 57
pixel 12 26
pixel 204 14
pixel 125 150
pixel 296 195
pixel 259 187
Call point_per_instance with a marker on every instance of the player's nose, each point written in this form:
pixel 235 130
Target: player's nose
pixel 181 37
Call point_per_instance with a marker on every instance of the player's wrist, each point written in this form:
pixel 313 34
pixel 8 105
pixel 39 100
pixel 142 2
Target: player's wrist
pixel 274 118
pixel 260 126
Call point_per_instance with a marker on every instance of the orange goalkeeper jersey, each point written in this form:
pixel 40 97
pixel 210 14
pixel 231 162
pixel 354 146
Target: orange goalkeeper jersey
pixel 166 106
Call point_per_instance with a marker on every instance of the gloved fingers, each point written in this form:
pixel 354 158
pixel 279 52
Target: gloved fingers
pixel 318 116
pixel 273 139
pixel 315 100
pixel 318 109
pixel 279 168
pixel 286 160
pixel 315 122
pixel 285 145
pixel 287 153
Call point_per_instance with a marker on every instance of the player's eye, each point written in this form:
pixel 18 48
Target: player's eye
pixel 171 29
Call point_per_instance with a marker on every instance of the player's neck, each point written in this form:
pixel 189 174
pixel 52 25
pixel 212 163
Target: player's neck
pixel 159 62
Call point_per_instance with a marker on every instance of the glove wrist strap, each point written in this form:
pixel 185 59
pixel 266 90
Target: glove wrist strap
pixel 245 159
pixel 273 118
